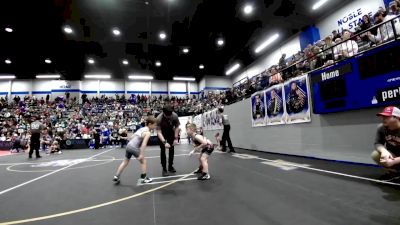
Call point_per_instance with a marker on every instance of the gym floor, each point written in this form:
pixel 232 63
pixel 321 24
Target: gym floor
pixel 247 187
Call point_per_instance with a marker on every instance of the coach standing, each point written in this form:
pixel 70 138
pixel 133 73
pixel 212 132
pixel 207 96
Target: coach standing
pixel 36 129
pixel 167 132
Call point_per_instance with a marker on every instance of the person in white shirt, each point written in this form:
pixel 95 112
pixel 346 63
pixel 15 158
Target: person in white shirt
pixel 337 49
pixel 346 49
pixel 349 47
pixel 386 31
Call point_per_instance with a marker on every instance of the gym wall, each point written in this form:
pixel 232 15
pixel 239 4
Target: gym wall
pixel 347 136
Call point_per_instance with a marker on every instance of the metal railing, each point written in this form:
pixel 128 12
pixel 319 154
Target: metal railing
pixel 317 58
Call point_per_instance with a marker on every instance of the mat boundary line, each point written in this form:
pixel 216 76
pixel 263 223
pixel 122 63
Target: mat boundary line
pixel 93 206
pixel 47 174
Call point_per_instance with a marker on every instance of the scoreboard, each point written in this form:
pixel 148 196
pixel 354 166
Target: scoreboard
pixel 371 79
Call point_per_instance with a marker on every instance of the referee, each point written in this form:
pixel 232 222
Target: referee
pixel 167 132
pixel 225 135
pixel 36 129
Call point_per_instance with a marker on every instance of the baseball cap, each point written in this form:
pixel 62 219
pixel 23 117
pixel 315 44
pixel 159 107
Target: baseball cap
pixel 392 3
pixel 390 111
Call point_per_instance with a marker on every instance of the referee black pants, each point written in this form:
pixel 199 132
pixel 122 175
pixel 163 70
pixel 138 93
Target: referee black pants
pixel 171 153
pixel 35 144
pixel 226 138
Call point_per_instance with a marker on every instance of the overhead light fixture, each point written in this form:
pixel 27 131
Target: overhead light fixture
pixel 220 42
pixel 184 78
pixel 97 76
pixel 7 76
pixel 266 43
pixel 68 30
pixel 318 4
pixel 9 30
pixel 125 62
pixel 185 50
pixel 146 2
pixel 48 76
pixel 91 61
pixel 116 32
pixel 162 35
pixel 48 61
pixel 201 66
pixel 140 77
pixel 7 61
pixel 248 9
pixel 233 69
pixel 158 63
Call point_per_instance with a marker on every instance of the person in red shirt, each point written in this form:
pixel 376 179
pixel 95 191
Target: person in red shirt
pixel 84 130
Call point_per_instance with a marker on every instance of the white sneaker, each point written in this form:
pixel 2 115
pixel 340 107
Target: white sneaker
pixel 204 176
pixel 116 180
pixel 146 180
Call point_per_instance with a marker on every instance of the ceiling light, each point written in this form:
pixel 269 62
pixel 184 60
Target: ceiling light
pixel 266 43
pixel 232 69
pixel 98 76
pixel 47 76
pixel 125 62
pixel 247 9
pixel 68 30
pixel 220 42
pixel 140 77
pixel 201 66
pixel 116 32
pixel 162 35
pixel 319 4
pixel 8 76
pixel 146 2
pixel 9 29
pixel 91 61
pixel 48 61
pixel 158 63
pixel 184 78
pixel 7 61
pixel 185 50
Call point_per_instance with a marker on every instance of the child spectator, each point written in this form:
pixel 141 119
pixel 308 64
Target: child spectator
pixel 55 148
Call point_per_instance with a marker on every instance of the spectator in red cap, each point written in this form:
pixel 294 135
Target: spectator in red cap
pixel 387 143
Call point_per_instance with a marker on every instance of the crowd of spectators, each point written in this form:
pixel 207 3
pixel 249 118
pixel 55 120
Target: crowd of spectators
pixel 370 32
pixel 108 119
